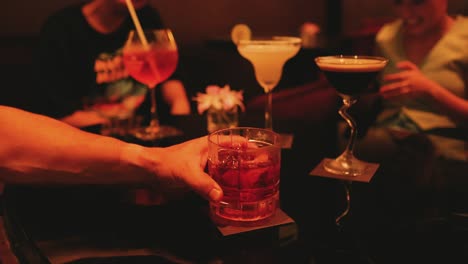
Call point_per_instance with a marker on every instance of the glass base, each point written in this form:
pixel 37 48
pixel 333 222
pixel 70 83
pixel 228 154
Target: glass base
pixel 346 164
pixel 237 213
pixel 153 133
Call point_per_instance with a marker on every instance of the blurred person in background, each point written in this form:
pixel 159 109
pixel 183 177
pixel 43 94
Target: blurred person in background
pixel 80 54
pixel 422 93
pixel 425 84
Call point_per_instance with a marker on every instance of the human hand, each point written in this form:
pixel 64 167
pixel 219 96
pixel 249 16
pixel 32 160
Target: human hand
pixel 409 82
pixel 180 168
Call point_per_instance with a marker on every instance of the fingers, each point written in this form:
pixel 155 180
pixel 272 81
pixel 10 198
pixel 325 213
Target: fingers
pixel 398 84
pixel 394 85
pixel 195 177
pixel 395 76
pixel 406 65
pixel 204 185
pixel 395 89
pixel 405 68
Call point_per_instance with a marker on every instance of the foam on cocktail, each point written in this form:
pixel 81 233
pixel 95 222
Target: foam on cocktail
pixel 351 76
pixel 351 64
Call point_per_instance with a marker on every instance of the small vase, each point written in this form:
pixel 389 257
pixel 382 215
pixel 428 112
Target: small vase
pixel 219 119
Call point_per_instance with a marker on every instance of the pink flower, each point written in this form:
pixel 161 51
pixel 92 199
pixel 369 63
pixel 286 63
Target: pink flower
pixel 219 98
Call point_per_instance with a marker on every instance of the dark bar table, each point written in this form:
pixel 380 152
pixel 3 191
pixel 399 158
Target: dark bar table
pixel 412 211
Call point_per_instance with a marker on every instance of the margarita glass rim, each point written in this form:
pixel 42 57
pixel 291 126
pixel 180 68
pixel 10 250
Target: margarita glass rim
pixel 272 40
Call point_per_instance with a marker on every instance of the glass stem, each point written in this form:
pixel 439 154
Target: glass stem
pixel 154 122
pixel 269 110
pixel 347 103
pixel 347 188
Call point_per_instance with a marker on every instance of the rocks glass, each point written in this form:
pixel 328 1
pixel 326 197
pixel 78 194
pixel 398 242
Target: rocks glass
pixel 245 162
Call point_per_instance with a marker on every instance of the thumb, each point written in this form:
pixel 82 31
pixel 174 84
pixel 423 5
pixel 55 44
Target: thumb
pixel 203 184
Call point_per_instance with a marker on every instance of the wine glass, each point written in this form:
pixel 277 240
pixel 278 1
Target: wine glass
pixel 151 60
pixel 268 56
pixel 351 76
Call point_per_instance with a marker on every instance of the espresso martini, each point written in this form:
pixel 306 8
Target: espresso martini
pixel 351 75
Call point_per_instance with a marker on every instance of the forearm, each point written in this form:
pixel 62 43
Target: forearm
pixel 83 119
pixel 180 108
pixel 37 149
pixel 175 95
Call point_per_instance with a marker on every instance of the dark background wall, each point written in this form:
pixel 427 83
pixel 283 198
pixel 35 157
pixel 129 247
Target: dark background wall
pixel 195 20
pixel 192 20
pixel 196 23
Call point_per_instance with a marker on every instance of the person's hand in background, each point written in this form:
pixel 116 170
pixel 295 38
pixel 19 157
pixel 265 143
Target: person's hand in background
pixel 410 81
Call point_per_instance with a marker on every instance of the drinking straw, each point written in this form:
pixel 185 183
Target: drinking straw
pixel 144 41
pixel 136 21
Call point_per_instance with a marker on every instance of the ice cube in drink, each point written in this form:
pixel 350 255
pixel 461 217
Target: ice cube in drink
pixel 249 175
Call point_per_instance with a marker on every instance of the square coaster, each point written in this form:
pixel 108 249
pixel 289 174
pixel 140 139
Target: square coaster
pixel 366 177
pixel 280 218
pixel 286 140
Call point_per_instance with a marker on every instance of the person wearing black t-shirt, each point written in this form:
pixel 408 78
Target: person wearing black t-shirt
pixel 79 52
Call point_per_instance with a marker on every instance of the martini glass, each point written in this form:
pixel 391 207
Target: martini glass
pixel 351 76
pixel 151 62
pixel 268 56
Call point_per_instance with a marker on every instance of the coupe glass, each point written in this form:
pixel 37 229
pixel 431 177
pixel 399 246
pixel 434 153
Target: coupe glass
pixel 151 61
pixel 268 56
pixel 351 76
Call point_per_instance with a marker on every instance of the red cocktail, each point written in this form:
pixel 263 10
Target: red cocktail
pixel 151 59
pixel 245 162
pixel 151 66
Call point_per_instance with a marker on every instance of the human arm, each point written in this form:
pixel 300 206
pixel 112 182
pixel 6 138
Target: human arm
pixel 410 81
pixel 83 118
pixel 39 150
pixel 175 95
